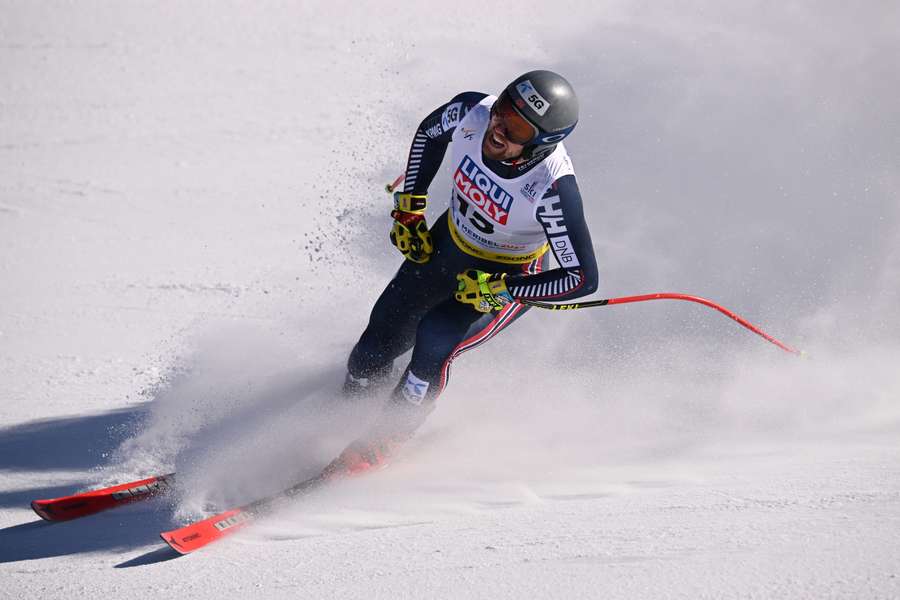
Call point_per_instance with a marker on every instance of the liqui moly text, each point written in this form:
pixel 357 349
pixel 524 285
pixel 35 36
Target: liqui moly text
pixel 476 187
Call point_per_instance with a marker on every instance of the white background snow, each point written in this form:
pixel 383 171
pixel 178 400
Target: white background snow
pixel 192 231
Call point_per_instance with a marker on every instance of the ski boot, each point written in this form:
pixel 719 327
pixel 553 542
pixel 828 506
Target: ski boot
pixel 366 385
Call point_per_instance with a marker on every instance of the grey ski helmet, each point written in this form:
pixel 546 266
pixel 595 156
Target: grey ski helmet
pixel 547 101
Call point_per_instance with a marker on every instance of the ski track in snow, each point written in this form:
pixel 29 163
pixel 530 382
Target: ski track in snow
pixel 192 232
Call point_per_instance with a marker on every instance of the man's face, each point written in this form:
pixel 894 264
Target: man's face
pixel 496 145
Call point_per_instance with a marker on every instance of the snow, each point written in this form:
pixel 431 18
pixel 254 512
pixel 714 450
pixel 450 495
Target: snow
pixel 192 231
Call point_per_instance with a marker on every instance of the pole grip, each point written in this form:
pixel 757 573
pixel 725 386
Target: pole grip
pixel 389 188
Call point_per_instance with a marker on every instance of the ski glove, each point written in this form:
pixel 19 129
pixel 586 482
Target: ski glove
pixel 410 232
pixel 484 291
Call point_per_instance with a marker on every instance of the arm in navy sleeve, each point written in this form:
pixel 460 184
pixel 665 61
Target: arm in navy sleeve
pixel 431 140
pixel 562 216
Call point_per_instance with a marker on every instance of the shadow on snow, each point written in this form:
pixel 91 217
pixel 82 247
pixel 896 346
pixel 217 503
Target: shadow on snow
pixel 68 443
pixel 117 530
pixel 77 444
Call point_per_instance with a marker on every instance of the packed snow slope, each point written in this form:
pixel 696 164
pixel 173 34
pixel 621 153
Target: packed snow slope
pixel 192 231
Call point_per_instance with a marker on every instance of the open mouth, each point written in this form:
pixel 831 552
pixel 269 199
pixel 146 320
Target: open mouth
pixel 496 142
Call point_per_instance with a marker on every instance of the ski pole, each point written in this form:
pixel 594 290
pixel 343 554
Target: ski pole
pixel 643 298
pixel 389 188
pixel 666 296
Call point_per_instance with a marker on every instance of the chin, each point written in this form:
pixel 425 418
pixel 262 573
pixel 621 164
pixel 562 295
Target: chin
pixel 492 153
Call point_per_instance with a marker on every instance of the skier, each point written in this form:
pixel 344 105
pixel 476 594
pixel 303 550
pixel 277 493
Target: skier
pixel 514 197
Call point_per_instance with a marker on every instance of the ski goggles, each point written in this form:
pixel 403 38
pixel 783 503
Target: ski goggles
pixel 518 130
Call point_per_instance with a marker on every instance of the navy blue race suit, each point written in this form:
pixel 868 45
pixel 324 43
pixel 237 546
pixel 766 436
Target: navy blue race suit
pixel 417 308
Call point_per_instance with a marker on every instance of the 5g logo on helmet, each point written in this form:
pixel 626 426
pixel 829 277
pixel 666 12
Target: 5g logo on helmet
pixel 532 97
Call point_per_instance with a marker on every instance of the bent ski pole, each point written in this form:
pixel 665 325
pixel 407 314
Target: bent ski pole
pixel 627 299
pixel 665 296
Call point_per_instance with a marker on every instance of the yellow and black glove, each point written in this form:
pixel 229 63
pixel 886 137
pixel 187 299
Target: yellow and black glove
pixel 484 291
pixel 410 231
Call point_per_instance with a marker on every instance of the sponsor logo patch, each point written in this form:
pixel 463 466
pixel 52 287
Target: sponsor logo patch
pixel 479 189
pixel 529 190
pixel 551 217
pixel 537 102
pixel 562 248
pixel 142 490
pixel 231 521
pixel 414 389
pixel 451 115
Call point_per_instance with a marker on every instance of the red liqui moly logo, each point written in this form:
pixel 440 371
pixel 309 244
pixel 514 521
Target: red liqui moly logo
pixel 479 189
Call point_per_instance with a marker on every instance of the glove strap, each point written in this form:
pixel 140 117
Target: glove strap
pixel 411 203
pixel 407 218
pixel 493 289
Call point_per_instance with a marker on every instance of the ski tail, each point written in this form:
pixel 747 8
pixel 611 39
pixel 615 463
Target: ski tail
pixel 94 501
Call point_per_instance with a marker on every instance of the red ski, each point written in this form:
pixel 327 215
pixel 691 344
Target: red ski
pixel 197 535
pixel 353 461
pixel 88 503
